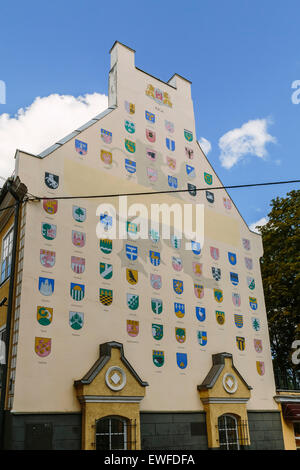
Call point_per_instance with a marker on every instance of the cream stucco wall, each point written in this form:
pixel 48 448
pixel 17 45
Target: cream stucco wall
pixel 46 384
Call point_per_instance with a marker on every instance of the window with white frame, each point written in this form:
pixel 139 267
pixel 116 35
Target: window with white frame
pixel 6 255
pixel 111 433
pixel 228 432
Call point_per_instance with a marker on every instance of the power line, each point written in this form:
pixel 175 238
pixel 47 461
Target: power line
pixel 146 193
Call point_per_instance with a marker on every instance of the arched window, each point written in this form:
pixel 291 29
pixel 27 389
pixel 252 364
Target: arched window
pixel 228 432
pixel 111 433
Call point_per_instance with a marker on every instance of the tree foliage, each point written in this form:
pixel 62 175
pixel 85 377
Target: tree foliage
pixel 280 266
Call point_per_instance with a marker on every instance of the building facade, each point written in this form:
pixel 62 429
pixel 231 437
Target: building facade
pixel 126 334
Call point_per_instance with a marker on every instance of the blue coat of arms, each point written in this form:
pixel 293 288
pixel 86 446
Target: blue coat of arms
pixel 154 257
pixel 170 144
pixel 202 337
pixel 253 303
pixel 200 313
pixel 130 165
pixel 179 309
pixel 172 182
pixel 178 286
pixel 196 247
pixel 181 359
pixel 232 258
pixel 234 278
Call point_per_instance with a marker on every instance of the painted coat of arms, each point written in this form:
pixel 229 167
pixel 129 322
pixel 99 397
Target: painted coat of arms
pixel 106 270
pixel 129 107
pixel 214 252
pixel 249 263
pixel 157 331
pixel 232 258
pixel 154 257
pixel 77 291
pixel 106 157
pixel 47 258
pixel 216 273
pixel 234 278
pixel 200 313
pixel 238 320
pixel 130 146
pixel 42 346
pixel 198 291
pixel 177 263
pixel 105 245
pixel 133 328
pixel 79 213
pixel 150 117
pixel 188 135
pixel 179 309
pixel 181 359
pixel 196 247
pixel 202 337
pixel 50 206
pixel 156 306
pixel 251 282
pixel 155 280
pixel 51 180
pixel 258 345
pixel 169 126
pixel 133 301
pixel 78 238
pixel 210 197
pixel 76 320
pixel 81 147
pixel 172 182
pixel 171 162
pixel 236 299
pixel 77 264
pixel 220 317
pixel 178 286
pixel 158 358
pixel 197 269
pixel 218 295
pixel 130 166
pixel 44 315
pixel 260 367
pixel 132 276
pixel 129 126
pixel 189 153
pixel 106 136
pixel 208 178
pixel 152 174
pixel 151 154
pixel 180 334
pixel 46 286
pixel 240 342
pixel 106 296
pixel 170 144
pixel 151 135
pixel 131 252
pixel 48 231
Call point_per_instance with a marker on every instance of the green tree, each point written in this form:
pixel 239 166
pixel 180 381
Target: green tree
pixel 280 267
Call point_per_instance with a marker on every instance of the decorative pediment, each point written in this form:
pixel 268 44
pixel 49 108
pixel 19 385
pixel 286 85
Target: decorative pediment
pixel 110 376
pixel 223 382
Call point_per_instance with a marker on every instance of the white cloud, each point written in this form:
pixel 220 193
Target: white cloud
pixel 250 139
pixel 43 123
pixel 260 222
pixel 205 145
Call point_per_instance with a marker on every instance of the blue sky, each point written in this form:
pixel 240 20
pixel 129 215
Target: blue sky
pixel 241 56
